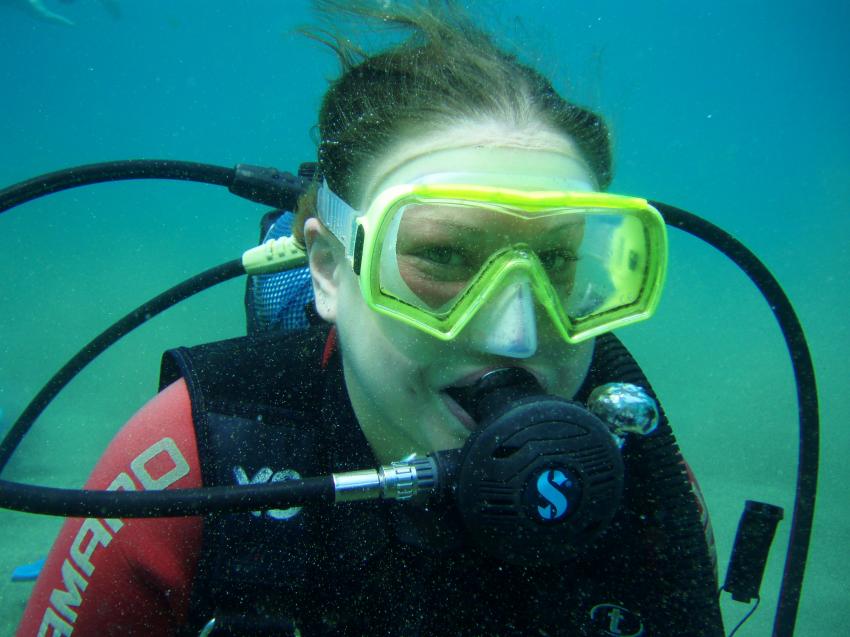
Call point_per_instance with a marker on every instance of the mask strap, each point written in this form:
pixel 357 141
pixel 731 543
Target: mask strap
pixel 338 217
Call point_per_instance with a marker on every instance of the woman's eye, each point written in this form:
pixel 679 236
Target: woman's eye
pixel 443 255
pixel 557 260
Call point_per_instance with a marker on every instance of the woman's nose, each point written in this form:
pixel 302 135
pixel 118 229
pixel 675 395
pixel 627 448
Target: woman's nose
pixel 507 324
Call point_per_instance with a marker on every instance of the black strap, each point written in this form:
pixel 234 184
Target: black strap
pixel 660 488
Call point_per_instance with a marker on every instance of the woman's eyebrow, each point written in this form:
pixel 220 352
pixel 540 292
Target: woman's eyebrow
pixel 424 223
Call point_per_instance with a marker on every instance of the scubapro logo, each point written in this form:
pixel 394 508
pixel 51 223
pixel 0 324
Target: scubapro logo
pixel 264 476
pixel 613 619
pixel 551 486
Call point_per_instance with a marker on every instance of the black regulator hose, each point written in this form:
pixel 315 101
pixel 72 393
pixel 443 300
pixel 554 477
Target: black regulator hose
pixel 807 403
pixel 77 503
pixel 267 186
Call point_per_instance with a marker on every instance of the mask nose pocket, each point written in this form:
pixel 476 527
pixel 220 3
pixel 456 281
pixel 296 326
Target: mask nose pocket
pixel 507 325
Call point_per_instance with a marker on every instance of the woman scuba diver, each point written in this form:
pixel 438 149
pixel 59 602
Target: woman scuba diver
pixel 465 261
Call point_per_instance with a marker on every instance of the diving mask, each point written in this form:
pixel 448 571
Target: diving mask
pixel 433 254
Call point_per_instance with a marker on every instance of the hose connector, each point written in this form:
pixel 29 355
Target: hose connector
pixel 268 186
pixel 399 480
pixel 274 255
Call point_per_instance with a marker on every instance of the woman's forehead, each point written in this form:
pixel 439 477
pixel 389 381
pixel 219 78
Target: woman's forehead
pixel 537 158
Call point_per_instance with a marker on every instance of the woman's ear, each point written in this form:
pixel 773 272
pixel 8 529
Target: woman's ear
pixel 326 258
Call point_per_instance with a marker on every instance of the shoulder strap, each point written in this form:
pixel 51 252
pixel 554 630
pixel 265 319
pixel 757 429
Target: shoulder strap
pixel 662 508
pixel 265 409
pixel 264 387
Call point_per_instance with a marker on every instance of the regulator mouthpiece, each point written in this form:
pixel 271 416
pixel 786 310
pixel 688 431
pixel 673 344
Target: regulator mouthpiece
pixel 541 478
pixel 494 391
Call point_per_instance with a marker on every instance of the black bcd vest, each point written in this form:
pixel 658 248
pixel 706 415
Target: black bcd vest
pixel 265 409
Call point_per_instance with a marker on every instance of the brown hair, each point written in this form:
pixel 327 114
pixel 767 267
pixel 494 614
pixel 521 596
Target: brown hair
pixel 447 70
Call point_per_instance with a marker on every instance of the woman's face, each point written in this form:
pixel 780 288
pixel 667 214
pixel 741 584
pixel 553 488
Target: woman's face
pixel 396 375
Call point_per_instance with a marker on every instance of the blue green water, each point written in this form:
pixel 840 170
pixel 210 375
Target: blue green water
pixel 734 110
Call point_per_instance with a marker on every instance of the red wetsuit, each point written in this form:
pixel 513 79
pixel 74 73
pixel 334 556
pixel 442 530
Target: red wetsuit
pixel 131 576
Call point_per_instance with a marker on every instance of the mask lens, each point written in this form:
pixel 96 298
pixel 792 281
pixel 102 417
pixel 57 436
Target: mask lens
pixel 433 252
pixel 588 263
pixel 611 271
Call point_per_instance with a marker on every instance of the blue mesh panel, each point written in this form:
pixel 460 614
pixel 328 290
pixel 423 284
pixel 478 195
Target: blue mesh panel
pixel 280 298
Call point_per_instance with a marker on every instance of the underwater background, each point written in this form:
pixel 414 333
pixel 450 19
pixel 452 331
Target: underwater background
pixel 736 111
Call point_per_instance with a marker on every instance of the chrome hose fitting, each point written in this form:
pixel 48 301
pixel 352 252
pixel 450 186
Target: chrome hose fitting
pixel 625 408
pixel 399 480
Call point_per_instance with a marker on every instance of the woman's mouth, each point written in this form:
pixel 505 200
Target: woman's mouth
pixel 453 396
pixel 470 399
pixel 457 411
